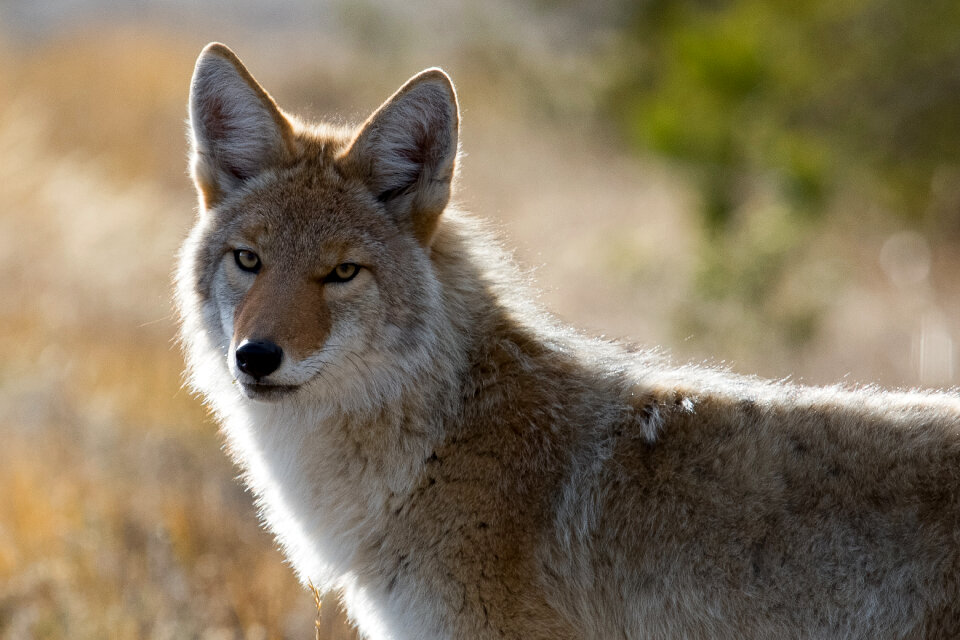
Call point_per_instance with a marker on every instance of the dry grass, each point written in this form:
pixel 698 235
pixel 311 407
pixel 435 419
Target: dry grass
pixel 122 517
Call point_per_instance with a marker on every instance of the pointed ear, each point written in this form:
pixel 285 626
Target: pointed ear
pixel 406 152
pixel 237 130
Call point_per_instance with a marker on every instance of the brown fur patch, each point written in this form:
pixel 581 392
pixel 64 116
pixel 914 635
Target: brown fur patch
pixel 290 311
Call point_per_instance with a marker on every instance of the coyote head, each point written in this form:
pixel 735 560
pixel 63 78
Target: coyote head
pixel 309 264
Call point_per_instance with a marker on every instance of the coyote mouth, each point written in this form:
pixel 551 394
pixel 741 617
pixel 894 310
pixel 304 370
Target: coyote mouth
pixel 268 392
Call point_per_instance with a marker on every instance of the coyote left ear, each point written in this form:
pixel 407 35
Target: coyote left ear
pixel 406 151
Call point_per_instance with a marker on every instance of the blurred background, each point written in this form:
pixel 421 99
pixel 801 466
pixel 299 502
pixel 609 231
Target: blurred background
pixel 767 185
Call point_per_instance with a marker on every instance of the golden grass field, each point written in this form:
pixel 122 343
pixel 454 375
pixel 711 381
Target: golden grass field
pixel 121 517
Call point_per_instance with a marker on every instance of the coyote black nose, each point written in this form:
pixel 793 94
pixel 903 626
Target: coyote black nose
pixel 259 358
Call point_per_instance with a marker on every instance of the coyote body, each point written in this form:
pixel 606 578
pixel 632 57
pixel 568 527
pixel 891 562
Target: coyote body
pixel 422 437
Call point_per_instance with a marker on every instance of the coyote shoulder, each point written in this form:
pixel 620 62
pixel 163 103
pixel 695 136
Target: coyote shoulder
pixel 421 436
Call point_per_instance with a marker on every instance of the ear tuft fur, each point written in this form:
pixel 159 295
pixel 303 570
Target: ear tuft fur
pixel 237 129
pixel 406 151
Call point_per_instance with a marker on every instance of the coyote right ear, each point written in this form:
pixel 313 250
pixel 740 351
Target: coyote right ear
pixel 237 129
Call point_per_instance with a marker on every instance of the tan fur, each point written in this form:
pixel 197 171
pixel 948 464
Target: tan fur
pixel 264 313
pixel 464 467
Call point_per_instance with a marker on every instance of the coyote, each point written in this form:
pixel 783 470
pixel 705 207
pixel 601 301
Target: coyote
pixel 423 437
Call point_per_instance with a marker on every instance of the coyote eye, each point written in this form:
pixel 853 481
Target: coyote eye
pixel 343 272
pixel 247 260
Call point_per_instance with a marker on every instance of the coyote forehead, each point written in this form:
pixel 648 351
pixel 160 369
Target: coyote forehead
pixel 420 436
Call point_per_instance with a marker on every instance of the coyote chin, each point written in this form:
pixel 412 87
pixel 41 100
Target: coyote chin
pixel 420 435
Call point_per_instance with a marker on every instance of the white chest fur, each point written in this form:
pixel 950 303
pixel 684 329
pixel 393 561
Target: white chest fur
pixel 327 497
